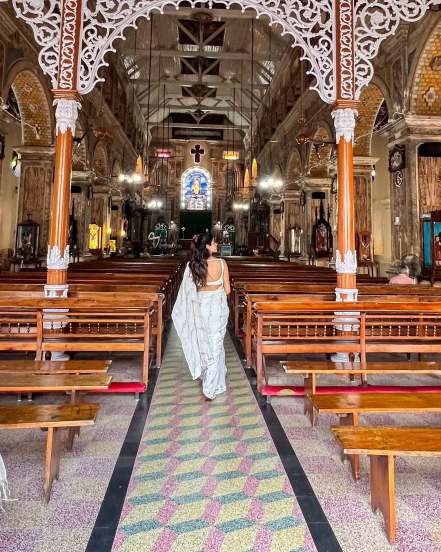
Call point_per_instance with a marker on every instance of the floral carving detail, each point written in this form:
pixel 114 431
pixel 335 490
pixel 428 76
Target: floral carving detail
pixel 344 123
pixel 308 22
pixel 346 264
pixel 66 114
pixel 375 20
pixel 54 259
pixel 44 19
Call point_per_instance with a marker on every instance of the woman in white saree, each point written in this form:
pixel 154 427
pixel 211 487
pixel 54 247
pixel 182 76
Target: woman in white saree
pixel 200 315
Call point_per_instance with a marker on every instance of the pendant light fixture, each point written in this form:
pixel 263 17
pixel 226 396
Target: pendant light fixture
pixel 254 160
pixel 149 84
pixel 246 176
pixel 136 176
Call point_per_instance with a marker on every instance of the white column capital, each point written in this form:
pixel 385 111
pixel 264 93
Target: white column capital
pixel 66 114
pixel 344 123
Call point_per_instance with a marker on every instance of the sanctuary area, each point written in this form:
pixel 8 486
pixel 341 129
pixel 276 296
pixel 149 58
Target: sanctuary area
pixel 220 256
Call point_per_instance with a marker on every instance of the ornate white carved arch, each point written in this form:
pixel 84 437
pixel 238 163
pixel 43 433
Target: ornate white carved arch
pixel 310 23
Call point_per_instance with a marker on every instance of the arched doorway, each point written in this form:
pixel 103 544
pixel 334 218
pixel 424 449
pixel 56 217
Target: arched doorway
pixel 27 101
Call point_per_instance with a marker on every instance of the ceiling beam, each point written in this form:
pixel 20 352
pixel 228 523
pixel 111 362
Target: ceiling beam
pixel 184 108
pixel 212 81
pixel 222 56
pixel 195 125
pixel 213 35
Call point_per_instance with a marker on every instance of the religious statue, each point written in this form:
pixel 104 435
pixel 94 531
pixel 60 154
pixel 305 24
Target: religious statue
pixel 321 243
pixel 437 248
pixel 174 235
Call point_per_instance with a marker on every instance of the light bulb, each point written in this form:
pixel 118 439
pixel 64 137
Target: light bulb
pixel 121 177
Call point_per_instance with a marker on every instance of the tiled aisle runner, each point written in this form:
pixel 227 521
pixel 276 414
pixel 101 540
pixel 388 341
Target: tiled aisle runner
pixel 207 477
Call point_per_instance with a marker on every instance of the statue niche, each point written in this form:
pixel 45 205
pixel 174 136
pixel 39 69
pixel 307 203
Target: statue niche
pixel 321 238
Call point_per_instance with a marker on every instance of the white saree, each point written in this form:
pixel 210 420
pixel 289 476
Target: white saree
pixel 200 319
pixel 4 488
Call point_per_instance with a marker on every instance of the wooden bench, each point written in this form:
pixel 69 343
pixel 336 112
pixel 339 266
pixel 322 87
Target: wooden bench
pixel 54 418
pixel 313 293
pixel 90 324
pixel 330 327
pixel 351 406
pixel 56 383
pixel 52 367
pixel 382 445
pixel 311 369
pixel 89 294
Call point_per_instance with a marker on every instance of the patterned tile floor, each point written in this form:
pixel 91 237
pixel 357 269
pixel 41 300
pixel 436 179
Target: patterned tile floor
pixel 207 476
pixel 347 503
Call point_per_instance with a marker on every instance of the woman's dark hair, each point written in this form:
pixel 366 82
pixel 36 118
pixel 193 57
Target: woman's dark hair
pixel 198 261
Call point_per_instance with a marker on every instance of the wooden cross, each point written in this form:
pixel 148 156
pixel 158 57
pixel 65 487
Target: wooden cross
pixel 197 152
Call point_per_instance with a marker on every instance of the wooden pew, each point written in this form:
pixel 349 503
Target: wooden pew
pixel 352 406
pixel 54 418
pixel 310 371
pixel 52 367
pixel 329 327
pixel 311 292
pixel 56 383
pixel 91 324
pixel 382 445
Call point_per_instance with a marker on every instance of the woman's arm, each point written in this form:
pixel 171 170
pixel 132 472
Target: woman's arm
pixel 227 286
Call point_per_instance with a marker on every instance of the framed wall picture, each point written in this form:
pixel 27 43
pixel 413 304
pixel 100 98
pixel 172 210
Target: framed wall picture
pixel 26 244
pixel 397 159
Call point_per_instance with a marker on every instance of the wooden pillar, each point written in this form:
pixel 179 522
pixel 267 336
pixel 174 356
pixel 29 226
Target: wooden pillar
pixel 66 100
pixel 344 113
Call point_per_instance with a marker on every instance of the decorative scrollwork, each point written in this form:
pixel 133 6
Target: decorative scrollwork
pixel 67 75
pixel 44 19
pixel 66 114
pixel 375 20
pixel 346 50
pixel 309 23
pixel 344 123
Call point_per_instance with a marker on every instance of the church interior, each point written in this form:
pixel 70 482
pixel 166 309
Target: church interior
pixel 305 136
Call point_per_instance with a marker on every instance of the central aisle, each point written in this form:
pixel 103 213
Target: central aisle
pixel 207 476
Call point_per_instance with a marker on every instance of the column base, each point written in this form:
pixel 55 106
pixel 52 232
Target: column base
pixel 344 357
pixel 346 295
pixel 57 356
pixel 54 291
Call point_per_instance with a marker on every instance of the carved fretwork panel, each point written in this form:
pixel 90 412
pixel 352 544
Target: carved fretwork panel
pixel 429 183
pixel 362 203
pixel 34 199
